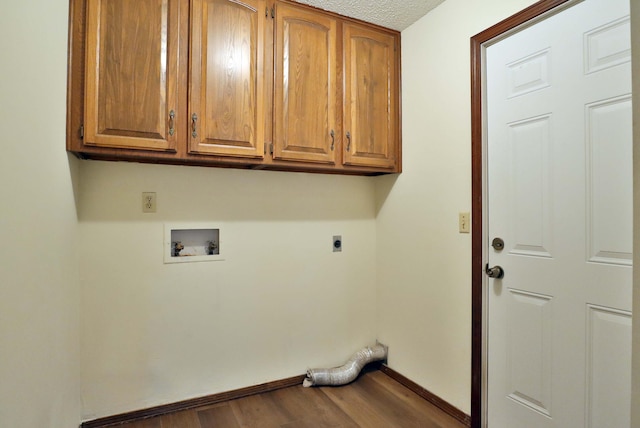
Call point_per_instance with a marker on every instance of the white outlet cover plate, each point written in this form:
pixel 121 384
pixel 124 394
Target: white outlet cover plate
pixel 153 199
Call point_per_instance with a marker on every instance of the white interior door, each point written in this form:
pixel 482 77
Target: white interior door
pixel 559 193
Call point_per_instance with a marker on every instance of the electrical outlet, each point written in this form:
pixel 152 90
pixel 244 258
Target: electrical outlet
pixel 463 223
pixel 337 243
pixel 148 202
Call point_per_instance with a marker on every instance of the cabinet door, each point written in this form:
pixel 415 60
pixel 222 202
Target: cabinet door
pixel 226 93
pixel 305 127
pixel 371 98
pixel 131 74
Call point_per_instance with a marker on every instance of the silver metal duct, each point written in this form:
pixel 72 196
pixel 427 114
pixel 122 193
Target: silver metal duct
pixel 348 372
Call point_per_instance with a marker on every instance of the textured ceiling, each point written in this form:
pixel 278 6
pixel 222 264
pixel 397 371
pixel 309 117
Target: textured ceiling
pixel 395 14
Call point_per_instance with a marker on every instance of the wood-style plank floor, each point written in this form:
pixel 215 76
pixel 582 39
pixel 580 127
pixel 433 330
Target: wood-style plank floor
pixel 373 400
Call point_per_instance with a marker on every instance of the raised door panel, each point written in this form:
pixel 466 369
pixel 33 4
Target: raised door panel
pixel 131 74
pixel 305 86
pixel 608 383
pixel 371 98
pixel 226 93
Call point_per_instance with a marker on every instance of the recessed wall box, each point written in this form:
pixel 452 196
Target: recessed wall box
pixel 190 242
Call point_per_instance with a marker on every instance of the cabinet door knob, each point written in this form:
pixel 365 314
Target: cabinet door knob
pixel 194 125
pixel 348 140
pixel 172 116
pixel 333 139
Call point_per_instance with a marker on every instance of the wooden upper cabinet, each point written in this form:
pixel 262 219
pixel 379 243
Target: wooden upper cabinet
pixel 305 122
pixel 226 91
pixel 220 82
pixel 131 74
pixel 371 119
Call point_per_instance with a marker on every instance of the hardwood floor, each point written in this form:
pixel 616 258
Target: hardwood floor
pixel 373 400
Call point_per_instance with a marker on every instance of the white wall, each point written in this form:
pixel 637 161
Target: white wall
pixel 39 287
pixel 280 303
pixel 424 268
pixel 635 45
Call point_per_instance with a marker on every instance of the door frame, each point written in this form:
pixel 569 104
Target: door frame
pixel 479 313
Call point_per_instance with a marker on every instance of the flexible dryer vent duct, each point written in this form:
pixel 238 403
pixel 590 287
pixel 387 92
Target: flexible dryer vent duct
pixel 348 372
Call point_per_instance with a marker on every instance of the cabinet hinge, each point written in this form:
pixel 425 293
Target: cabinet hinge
pixel 81 132
pixel 271 148
pixel 266 11
pixel 273 12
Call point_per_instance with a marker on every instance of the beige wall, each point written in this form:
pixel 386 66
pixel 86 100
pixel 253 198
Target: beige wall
pixel 424 274
pixel 39 287
pixel 280 303
pixel 635 45
pixel 423 263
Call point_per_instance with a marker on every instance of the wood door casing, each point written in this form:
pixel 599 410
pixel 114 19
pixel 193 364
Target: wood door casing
pixel 305 122
pixel 371 98
pixel 131 68
pixel 478 44
pixel 226 93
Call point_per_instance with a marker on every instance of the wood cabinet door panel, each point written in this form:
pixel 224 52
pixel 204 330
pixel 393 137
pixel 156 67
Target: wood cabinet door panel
pixel 305 88
pixel 370 98
pixel 131 67
pixel 227 77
